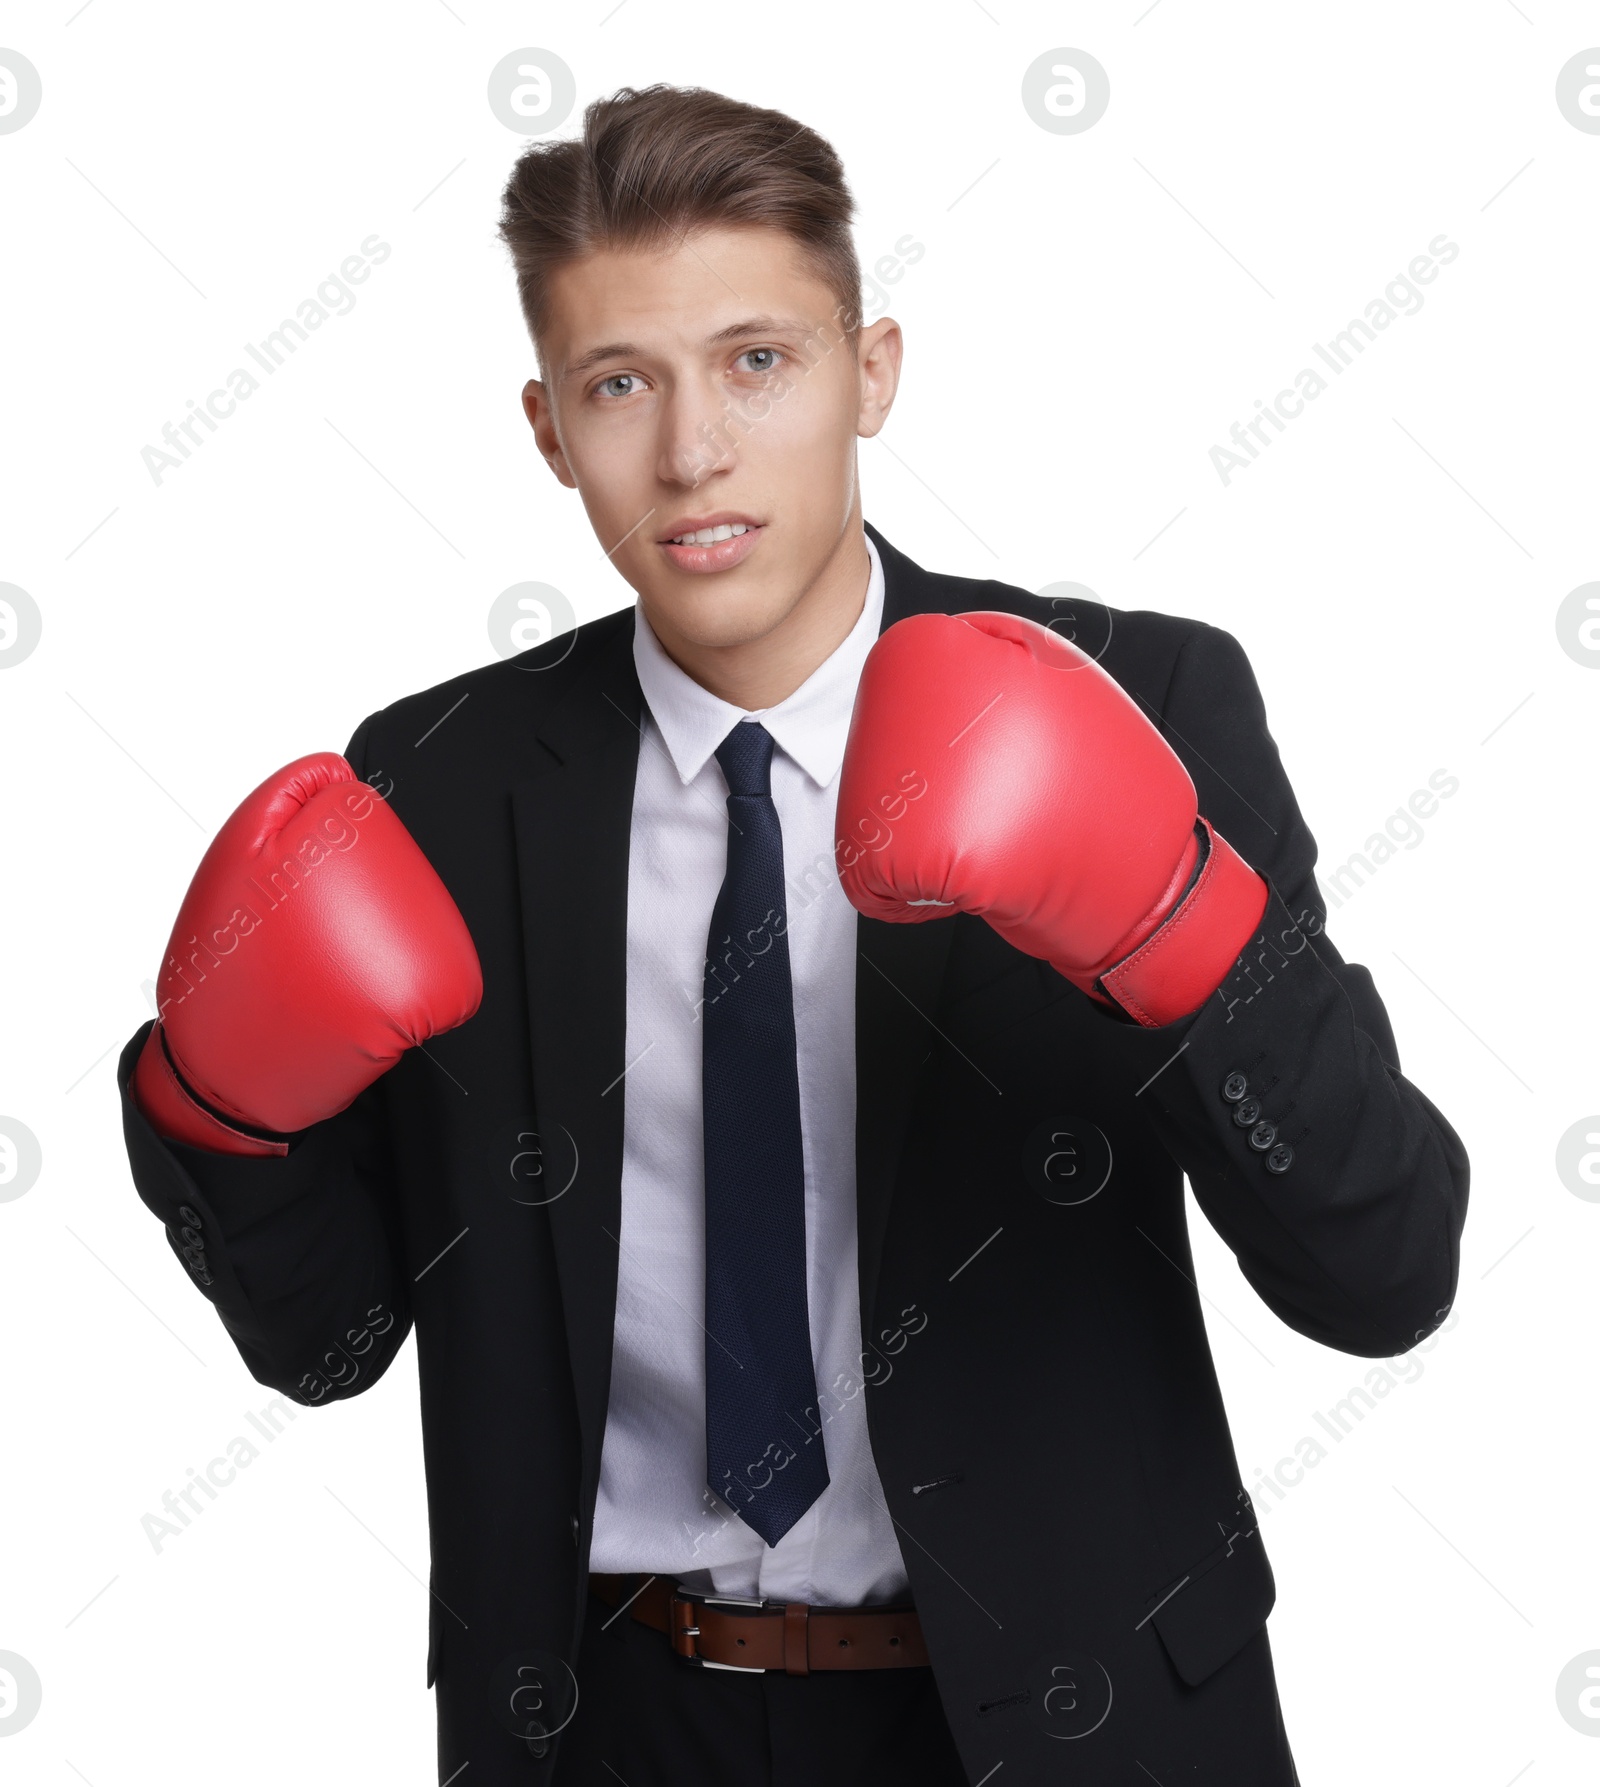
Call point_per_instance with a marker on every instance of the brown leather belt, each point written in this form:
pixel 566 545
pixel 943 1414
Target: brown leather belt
pixel 724 1632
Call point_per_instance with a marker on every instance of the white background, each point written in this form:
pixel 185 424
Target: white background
pixel 1091 314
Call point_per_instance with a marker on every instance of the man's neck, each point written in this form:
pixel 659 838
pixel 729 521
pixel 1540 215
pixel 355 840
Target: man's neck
pixel 759 673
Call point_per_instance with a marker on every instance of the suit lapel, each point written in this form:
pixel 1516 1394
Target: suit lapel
pixel 572 824
pixel 898 972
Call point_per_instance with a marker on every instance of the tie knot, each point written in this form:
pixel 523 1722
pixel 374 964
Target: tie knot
pixel 746 758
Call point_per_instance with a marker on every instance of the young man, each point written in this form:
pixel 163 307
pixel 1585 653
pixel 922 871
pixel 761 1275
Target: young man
pixel 757 1045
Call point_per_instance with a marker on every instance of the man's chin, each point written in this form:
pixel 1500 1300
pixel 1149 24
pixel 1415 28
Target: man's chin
pixel 730 607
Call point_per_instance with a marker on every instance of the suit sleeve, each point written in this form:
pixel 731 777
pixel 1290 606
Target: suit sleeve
pixel 299 1253
pixel 1339 1185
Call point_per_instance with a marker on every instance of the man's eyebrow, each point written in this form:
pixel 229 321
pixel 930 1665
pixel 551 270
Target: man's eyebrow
pixel 613 350
pixel 760 325
pixel 750 325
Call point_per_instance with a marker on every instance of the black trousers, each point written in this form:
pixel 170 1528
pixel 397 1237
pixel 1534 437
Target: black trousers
pixel 647 1718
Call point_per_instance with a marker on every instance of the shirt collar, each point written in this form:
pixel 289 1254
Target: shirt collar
pixel 810 725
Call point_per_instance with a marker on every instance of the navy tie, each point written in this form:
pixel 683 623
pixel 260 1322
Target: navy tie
pixel 764 1451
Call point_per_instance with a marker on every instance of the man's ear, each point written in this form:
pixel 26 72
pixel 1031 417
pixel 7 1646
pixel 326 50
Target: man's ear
pixel 536 406
pixel 878 353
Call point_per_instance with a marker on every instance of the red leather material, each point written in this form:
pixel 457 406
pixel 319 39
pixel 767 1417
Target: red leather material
pixel 175 1115
pixel 994 768
pixel 1188 956
pixel 315 945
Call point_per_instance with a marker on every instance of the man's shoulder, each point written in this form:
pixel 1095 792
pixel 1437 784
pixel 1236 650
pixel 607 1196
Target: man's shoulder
pixel 494 711
pixel 1139 647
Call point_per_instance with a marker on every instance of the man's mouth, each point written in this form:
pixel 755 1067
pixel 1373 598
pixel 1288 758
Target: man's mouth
pixel 707 536
pixel 716 544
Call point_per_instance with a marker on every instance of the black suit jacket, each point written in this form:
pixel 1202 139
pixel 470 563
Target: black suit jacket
pixel 1042 1405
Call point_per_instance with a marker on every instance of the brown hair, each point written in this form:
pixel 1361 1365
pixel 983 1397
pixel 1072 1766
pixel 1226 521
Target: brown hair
pixel 658 161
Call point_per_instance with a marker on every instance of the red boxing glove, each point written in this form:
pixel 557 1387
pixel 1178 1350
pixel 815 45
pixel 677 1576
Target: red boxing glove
pixel 993 768
pixel 315 945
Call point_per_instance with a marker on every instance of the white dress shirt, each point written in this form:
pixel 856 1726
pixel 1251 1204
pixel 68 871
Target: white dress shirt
pixel 655 1512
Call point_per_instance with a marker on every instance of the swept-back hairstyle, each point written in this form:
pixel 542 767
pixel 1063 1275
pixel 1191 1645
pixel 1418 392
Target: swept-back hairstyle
pixel 655 162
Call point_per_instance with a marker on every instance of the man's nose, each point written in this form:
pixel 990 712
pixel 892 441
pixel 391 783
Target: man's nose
pixel 695 442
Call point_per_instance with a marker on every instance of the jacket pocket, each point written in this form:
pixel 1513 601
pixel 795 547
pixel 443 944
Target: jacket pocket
pixel 1218 1604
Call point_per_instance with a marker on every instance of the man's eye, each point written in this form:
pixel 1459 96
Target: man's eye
pixel 608 387
pixel 763 358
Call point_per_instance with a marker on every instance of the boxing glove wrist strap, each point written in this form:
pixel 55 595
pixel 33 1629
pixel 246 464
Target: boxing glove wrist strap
pixel 177 1115
pixel 1186 958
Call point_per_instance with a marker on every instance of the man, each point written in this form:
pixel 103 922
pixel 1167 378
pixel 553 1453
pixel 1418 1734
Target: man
pixel 757 1045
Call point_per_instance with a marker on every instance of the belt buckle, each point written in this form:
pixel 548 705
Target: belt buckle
pixel 685 1627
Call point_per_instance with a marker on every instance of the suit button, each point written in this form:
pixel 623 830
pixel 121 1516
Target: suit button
pixel 576 1529
pixel 192 1236
pixel 1234 1087
pixel 1246 1112
pixel 190 1216
pixel 1263 1136
pixel 1280 1159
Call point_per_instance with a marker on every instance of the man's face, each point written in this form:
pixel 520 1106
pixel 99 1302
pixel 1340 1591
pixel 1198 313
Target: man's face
pixel 708 385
